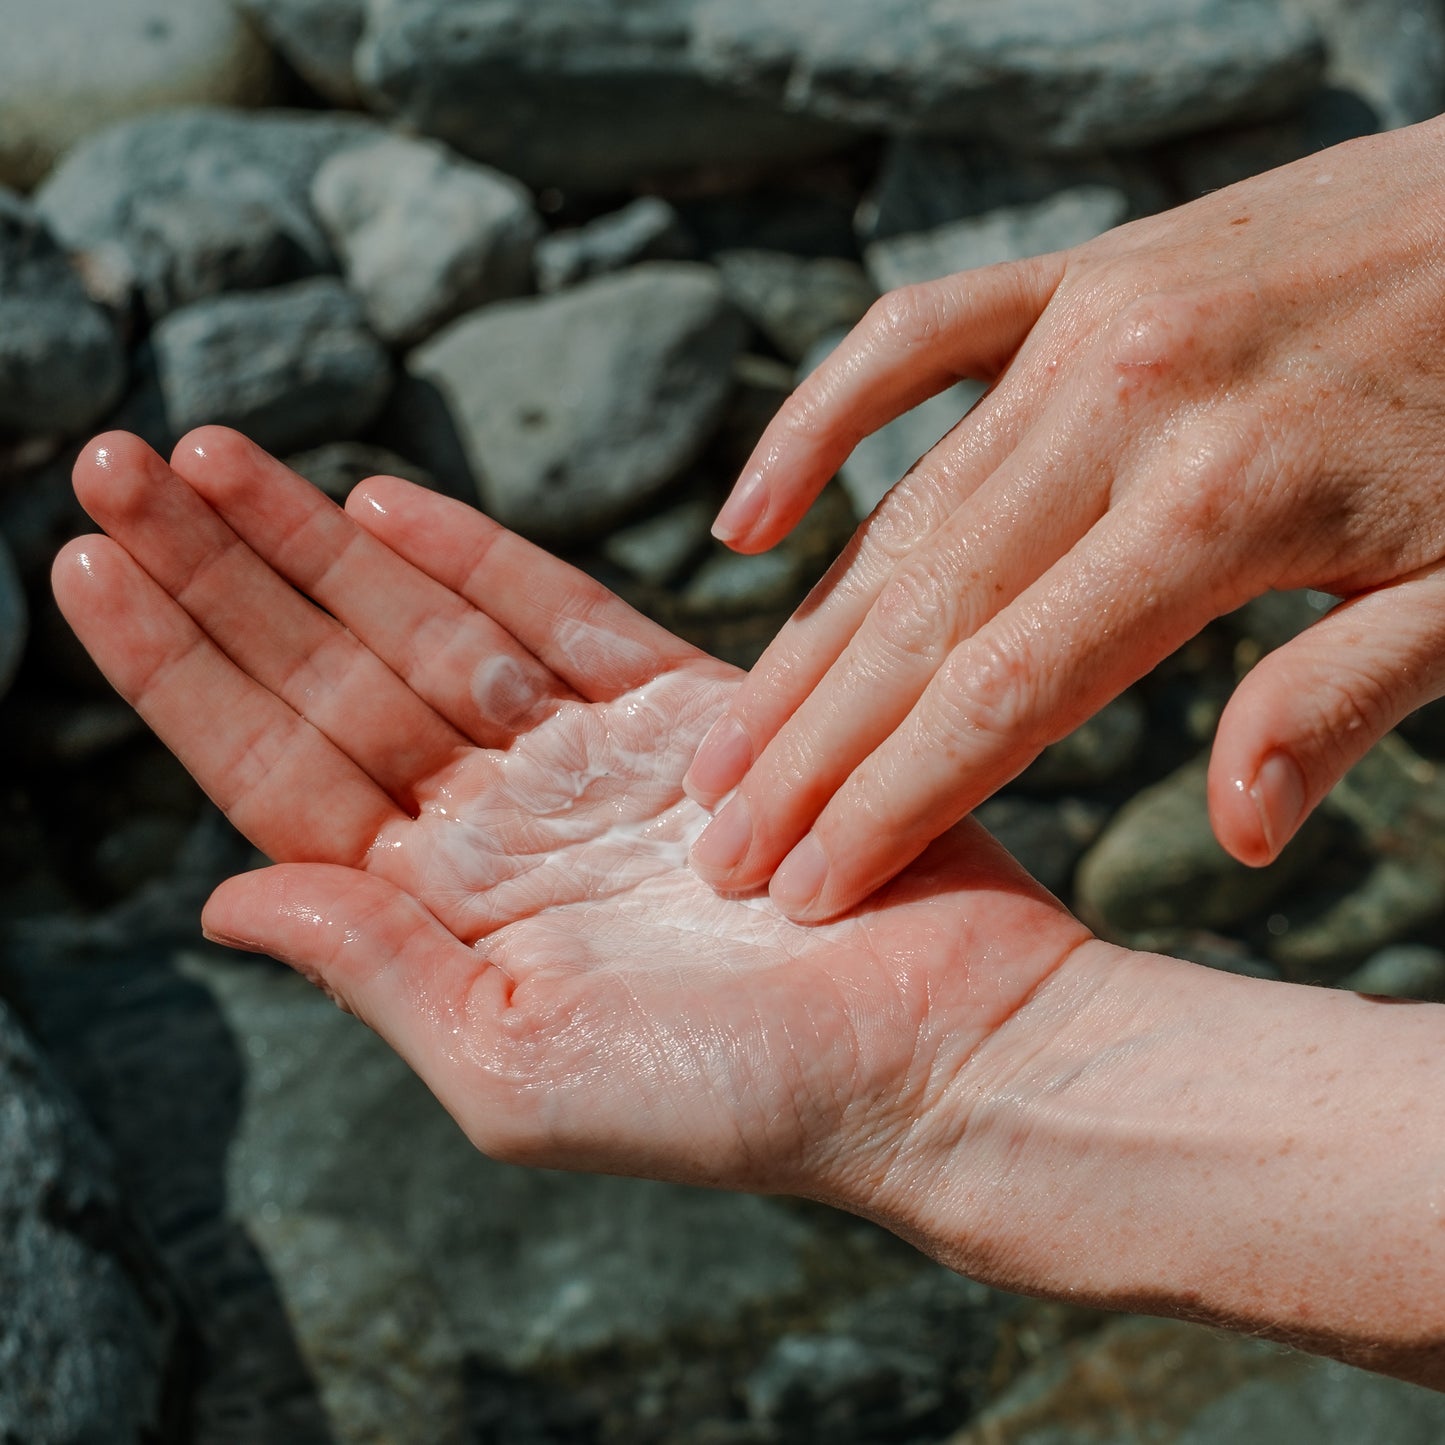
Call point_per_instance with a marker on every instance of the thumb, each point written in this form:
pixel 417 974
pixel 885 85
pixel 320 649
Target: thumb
pixel 1312 708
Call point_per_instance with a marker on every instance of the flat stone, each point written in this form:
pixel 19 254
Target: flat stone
pixel 201 200
pixel 657 549
pixel 62 363
pixel 424 235
pixel 575 408
pixel 647 229
pixel 317 37
pixel 796 301
pixel 292 367
pixel 69 67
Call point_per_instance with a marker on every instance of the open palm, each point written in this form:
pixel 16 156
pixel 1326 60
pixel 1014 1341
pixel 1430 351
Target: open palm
pixel 466 759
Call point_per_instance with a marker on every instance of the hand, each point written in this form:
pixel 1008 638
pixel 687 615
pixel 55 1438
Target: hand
pixel 1244 394
pixel 465 758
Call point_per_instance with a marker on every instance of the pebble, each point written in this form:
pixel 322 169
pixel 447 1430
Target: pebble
pixel 423 235
pixel 576 408
pixel 292 367
pixel 647 229
pixel 796 301
pixel 318 38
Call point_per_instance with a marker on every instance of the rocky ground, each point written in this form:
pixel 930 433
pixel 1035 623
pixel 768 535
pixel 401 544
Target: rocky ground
pixel 564 259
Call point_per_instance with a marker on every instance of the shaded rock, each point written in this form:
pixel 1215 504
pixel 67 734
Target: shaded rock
pixel 1008 233
pixel 70 67
pixel 728 582
pixel 1137 1382
pixel 200 200
pixel 796 301
pixel 338 466
pixel 1047 838
pixel 1390 52
pixel 824 1383
pixel 530 1265
pixel 591 97
pixel 291 367
pixel 1273 618
pixel 1158 865
pixel 1033 75
pixel 882 458
pixel 422 235
pixel 657 549
pixel 647 229
pixel 62 364
pixel 14 619
pixel 89 1331
pixel 1406 970
pixel 1100 749
pixel 575 408
pixel 318 39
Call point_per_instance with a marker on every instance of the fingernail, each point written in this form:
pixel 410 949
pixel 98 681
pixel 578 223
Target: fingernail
pixel 1278 792
pixel 725 754
pixel 800 877
pixel 724 840
pixel 742 511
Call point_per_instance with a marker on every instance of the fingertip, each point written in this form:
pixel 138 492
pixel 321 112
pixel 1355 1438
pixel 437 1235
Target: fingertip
pixel 800 881
pixel 720 763
pixel 742 512
pixel 1257 811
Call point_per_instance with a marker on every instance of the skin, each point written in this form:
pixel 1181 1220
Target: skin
pixel 466 758
pixel 1244 394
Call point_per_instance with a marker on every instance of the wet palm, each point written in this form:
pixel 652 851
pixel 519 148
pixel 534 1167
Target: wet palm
pixel 466 759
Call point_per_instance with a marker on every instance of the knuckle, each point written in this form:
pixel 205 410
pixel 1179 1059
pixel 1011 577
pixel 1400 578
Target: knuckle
pixel 986 689
pixel 914 612
pixel 911 315
pixel 908 513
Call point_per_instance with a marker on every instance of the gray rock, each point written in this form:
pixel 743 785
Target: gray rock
pixel 14 619
pixel 1158 865
pixel 1032 74
pixel 585 96
pixel 1406 970
pixel 529 1265
pixel 338 466
pixel 424 236
pixel 728 582
pixel 1048 838
pixel 1099 750
pixel 291 367
pixel 317 37
pixel 881 459
pixel 577 407
pixel 647 229
pixel 62 364
pixel 657 549
pixel 827 1382
pixel 199 200
pixel 89 1329
pixel 69 67
pixel 1068 218
pixel 796 301
pixel 1136 1382
pixel 1390 52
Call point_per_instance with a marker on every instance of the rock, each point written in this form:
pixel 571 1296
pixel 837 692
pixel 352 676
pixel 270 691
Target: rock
pixel 882 458
pixel 795 301
pixel 1273 618
pixel 199 201
pixel 291 367
pixel 530 1266
pixel 338 466
pixel 647 229
pixel 62 365
pixel 824 1383
pixel 89 1333
pixel 1406 970
pixel 1138 1381
pixel 1048 838
pixel 422 235
pixel 1158 865
pixel 14 619
pixel 589 97
pixel 1032 74
pixel 317 37
pixel 575 408
pixel 1008 233
pixel 70 67
pixel 1100 749
pixel 1390 52
pixel 657 549
pixel 731 583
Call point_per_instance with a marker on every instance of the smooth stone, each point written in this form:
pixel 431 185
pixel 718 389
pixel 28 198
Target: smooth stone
pixel 647 229
pixel 882 458
pixel 62 363
pixel 729 582
pixel 1032 74
pixel 337 467
pixel 292 367
pixel 796 301
pixel 585 97
pixel 318 39
pixel 1099 750
pixel 1142 1381
pixel 575 408
pixel 1048 838
pixel 1009 233
pixel 424 235
pixel 89 1333
pixel 530 1265
pixel 201 200
pixel 14 619
pixel 1390 52
pixel 1404 970
pixel 657 549
pixel 69 67
pixel 1158 866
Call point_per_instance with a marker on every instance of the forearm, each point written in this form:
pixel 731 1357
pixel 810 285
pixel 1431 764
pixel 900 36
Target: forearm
pixel 1256 1155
